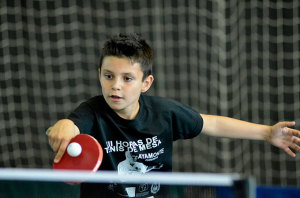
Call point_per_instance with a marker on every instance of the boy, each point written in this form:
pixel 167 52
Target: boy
pixel 127 123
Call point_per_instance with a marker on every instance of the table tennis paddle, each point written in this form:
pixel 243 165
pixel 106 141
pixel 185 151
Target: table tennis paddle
pixel 89 159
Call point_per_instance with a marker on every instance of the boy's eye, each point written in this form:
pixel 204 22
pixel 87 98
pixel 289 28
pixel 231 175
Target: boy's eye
pixel 128 78
pixel 108 76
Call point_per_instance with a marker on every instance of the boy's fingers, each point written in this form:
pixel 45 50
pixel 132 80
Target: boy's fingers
pixel 55 146
pixel 48 130
pixel 288 151
pixel 286 124
pixel 295 132
pixel 61 151
pixel 295 147
pixel 289 123
pixel 291 132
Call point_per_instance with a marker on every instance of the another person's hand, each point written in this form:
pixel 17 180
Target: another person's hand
pixel 60 135
pixel 285 138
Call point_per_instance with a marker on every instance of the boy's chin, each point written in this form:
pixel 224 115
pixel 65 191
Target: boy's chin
pixel 115 107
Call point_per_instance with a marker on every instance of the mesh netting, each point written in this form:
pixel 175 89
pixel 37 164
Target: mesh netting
pixel 232 58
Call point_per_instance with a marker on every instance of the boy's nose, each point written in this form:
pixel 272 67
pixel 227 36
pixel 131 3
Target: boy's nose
pixel 117 84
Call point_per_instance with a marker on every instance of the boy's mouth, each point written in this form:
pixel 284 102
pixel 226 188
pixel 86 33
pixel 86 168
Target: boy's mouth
pixel 115 98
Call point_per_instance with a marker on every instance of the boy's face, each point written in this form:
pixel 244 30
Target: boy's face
pixel 122 84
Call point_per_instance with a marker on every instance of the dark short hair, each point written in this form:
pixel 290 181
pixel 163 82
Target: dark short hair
pixel 132 46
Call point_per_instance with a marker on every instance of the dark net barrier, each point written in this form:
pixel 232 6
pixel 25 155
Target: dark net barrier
pixel 232 58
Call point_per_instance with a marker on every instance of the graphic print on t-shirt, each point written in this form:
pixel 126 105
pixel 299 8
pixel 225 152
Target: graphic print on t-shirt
pixel 130 166
pixel 137 146
pixel 133 164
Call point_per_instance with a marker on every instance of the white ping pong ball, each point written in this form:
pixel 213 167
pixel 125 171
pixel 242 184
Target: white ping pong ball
pixel 74 149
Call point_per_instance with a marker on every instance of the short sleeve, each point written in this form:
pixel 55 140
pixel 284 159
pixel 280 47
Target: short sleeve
pixel 186 122
pixel 83 118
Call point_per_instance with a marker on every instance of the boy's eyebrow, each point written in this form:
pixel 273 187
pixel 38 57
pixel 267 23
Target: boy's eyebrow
pixel 106 70
pixel 126 73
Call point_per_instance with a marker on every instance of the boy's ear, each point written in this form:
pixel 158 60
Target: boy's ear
pixel 147 83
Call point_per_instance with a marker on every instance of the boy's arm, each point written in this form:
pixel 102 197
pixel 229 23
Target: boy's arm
pixel 60 135
pixel 279 134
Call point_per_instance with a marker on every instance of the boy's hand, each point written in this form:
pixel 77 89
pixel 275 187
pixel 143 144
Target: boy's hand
pixel 60 135
pixel 285 138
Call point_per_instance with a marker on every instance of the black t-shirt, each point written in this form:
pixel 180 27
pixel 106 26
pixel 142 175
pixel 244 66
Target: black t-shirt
pixel 135 146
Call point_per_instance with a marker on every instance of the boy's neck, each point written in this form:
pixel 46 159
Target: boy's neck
pixel 129 115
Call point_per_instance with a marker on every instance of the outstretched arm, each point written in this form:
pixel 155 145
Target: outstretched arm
pixel 279 135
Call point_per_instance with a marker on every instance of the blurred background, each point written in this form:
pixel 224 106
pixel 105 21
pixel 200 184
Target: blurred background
pixel 232 58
